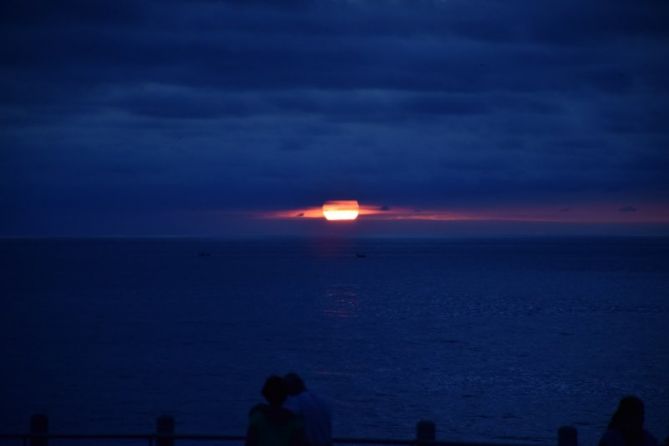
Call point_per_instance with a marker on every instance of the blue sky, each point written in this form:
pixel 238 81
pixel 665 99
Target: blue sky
pixel 193 118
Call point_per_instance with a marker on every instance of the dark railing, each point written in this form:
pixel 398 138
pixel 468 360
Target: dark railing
pixel 165 436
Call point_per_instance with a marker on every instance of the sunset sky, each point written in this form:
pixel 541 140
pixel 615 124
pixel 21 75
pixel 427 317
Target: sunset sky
pixel 235 118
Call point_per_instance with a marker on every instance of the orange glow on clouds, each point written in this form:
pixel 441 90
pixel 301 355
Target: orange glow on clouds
pixel 351 210
pixel 341 210
pixel 592 213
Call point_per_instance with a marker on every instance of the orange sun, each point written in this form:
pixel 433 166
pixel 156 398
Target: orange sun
pixel 341 210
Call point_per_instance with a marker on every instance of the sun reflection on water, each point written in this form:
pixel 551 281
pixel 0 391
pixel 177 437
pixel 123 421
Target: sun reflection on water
pixel 342 301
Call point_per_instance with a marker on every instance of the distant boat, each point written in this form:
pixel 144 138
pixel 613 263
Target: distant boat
pixel 204 254
pixel 360 255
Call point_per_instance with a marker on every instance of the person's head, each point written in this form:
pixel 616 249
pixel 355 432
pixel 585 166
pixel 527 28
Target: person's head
pixel 294 384
pixel 274 390
pixel 629 416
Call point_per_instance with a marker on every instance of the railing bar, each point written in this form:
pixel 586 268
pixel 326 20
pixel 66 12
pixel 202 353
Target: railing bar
pixel 150 438
pixel 371 441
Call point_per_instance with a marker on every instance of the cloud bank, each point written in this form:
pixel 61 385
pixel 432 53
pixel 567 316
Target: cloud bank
pixel 143 111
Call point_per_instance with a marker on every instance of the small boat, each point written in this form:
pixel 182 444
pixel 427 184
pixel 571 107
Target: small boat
pixel 360 255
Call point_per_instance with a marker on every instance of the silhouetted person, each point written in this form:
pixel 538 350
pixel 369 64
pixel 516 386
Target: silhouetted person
pixel 270 424
pixel 626 426
pixel 314 411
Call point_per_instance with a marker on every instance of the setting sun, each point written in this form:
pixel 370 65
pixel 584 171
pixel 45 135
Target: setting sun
pixel 341 210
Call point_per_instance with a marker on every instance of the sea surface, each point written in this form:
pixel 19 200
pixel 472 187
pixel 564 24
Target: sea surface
pixel 495 340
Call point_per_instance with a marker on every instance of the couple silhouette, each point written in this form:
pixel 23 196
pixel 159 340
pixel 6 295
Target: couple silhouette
pixel 292 416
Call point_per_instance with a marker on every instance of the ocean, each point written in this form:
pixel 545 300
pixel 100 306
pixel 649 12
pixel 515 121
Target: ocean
pixel 494 340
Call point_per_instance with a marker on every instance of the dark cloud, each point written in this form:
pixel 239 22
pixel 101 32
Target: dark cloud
pixel 69 12
pixel 627 209
pixel 204 105
pixel 294 145
pixel 159 102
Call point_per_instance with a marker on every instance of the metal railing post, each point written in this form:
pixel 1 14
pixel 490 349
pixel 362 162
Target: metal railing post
pixel 426 432
pixel 39 425
pixel 164 430
pixel 567 436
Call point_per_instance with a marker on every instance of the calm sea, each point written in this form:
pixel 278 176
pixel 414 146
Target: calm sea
pixel 494 340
